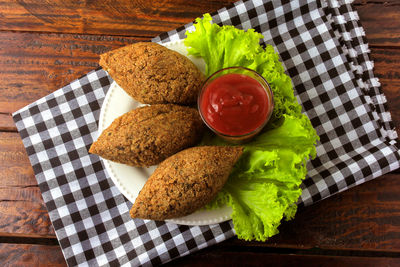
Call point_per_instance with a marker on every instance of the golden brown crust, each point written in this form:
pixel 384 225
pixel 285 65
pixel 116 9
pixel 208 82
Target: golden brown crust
pixel 148 135
pixel 185 182
pixel 151 73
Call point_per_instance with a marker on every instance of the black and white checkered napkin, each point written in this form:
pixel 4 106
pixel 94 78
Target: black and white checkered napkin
pixel 324 50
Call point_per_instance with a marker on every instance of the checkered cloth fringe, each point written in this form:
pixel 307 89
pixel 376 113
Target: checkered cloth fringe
pixel 324 50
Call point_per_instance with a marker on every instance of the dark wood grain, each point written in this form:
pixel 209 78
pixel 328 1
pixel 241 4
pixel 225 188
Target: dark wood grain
pixel 34 65
pixel 387 64
pixel 6 122
pixel 39 255
pixel 23 213
pixel 227 258
pixel 383 2
pixel 381 22
pixel 22 210
pixel 14 162
pixel 31 255
pixel 387 69
pixel 129 18
pixel 150 18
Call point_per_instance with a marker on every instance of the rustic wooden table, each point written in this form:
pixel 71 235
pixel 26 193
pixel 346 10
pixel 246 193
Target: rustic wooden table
pixel 46 44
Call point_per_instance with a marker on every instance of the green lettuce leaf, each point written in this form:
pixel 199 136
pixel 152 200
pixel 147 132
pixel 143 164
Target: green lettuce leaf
pixel 226 46
pixel 264 185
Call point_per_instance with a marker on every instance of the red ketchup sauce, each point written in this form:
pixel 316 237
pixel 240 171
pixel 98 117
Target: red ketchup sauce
pixel 235 104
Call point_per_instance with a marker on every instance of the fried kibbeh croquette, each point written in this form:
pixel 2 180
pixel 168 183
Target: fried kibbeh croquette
pixel 185 182
pixel 147 135
pixel 154 74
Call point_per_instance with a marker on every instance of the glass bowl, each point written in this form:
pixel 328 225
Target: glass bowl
pixel 229 110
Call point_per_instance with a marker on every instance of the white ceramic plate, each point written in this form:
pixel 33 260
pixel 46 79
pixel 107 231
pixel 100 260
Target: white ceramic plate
pixel 130 180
